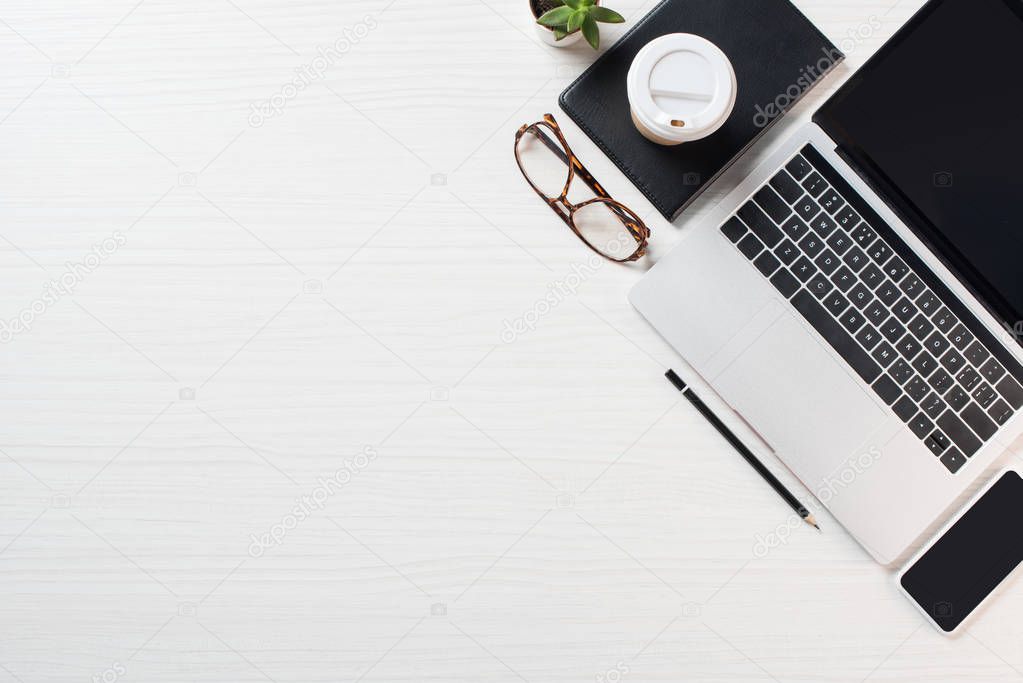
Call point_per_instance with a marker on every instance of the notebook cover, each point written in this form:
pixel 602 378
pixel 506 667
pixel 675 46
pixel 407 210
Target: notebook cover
pixel 778 56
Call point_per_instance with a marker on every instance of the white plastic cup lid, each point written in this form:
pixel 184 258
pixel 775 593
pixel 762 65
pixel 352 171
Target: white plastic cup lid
pixel 681 87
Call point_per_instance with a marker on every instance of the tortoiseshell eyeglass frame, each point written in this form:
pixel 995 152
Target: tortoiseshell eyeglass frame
pixel 567 210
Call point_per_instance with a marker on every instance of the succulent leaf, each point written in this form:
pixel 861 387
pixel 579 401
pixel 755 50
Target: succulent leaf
pixel 556 17
pixel 576 20
pixel 591 31
pixel 607 16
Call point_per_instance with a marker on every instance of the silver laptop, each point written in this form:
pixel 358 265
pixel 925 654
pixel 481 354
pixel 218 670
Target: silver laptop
pixel 857 299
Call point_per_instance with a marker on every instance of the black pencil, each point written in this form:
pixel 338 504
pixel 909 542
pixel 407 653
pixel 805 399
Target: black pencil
pixel 738 445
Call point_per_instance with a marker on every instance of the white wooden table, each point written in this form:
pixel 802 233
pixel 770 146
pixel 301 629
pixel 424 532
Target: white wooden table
pixel 248 304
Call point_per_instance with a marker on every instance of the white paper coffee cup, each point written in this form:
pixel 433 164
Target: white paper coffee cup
pixel 681 88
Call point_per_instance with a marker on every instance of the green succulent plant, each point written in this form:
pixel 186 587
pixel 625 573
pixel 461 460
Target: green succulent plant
pixel 569 16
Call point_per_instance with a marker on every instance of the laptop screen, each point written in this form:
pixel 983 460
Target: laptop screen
pixel 935 122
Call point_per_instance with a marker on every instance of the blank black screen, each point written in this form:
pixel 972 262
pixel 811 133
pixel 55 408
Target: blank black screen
pixel 935 120
pixel 976 555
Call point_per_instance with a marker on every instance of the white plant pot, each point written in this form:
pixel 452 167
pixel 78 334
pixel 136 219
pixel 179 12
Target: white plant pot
pixel 547 35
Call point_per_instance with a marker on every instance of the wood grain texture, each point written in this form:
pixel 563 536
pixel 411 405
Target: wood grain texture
pixel 300 331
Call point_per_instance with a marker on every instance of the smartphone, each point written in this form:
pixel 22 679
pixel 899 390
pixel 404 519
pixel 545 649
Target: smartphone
pixel 974 554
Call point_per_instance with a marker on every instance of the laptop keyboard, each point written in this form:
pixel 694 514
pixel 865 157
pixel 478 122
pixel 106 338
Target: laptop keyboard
pixel 853 288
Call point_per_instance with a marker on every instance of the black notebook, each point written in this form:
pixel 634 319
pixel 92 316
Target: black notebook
pixel 777 54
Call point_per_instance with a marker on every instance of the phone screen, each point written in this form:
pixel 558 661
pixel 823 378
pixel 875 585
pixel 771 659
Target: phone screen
pixel 966 564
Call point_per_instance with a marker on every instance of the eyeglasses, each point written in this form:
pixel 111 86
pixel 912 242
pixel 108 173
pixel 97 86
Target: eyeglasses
pixel 609 228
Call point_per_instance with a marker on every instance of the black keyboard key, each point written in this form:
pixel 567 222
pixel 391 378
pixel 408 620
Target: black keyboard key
pixel 960 336
pixel 992 370
pixel 953 460
pixel 786 252
pixel 827 262
pixel 976 354
pixel 969 378
pixel 840 340
pixel 864 235
pixel 807 208
pixel 855 259
pixel 912 286
pixel 908 347
pixel 875 312
pixel 953 361
pixel 847 218
pixel 1000 412
pixel 928 303
pixel 785 283
pixel 884 354
pixel 904 310
pixel 798 167
pixel 880 252
pixel 960 434
pixel 831 201
pixel 892 330
pixel 925 365
pixel 843 278
pixel 935 445
pixel 888 293
pixel 852 320
pixel 1011 391
pixel 941 381
pixel 788 188
pixel 766 263
pixel 901 371
pixel 811 245
pixel 872 276
pixel 772 203
pixel 957 398
pixel 750 246
pixel 823 225
pixel 942 440
pixel 933 406
pixel 905 409
pixel 896 268
pixel 936 344
pixel 921 425
pixel 814 184
pixel 979 421
pixel 762 226
pixel 944 320
pixel 984 394
pixel 887 389
pixel 794 228
pixel 836 303
pixel 868 337
pixel 733 229
pixel 804 269
pixel 839 242
pixel 819 286
pixel 921 326
pixel 917 389
pixel 860 296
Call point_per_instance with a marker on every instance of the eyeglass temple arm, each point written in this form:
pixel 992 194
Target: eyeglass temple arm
pixel 574 163
pixel 581 171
